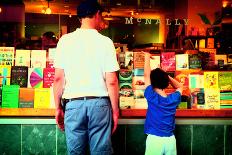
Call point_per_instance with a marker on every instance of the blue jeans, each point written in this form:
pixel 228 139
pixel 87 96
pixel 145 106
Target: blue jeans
pixel 88 122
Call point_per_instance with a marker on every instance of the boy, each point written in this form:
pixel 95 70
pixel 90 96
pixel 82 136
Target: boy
pixel 160 117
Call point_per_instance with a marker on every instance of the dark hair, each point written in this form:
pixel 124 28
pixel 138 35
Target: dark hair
pixel 159 78
pixel 88 8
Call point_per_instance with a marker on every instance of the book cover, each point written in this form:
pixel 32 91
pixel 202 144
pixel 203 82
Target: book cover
pixel 19 76
pixel 139 93
pixel 5 74
pixel 212 98
pixel 26 98
pixel 138 72
pixel 125 75
pixel 196 81
pixel 126 102
pixel 226 96
pixel 48 77
pixel 10 96
pixel 220 59
pixel 35 78
pixel 125 85
pixel 38 58
pixel 22 58
pixel 209 59
pixel 202 43
pixel 125 92
pixel 42 98
pixel 211 80
pixel 138 60
pixel 182 61
pixel 121 60
pixel 129 60
pixel 138 82
pixel 51 57
pixel 155 61
pixel 210 43
pixel 7 56
pixel 168 61
pixel 225 81
pixel 140 103
pixel 194 61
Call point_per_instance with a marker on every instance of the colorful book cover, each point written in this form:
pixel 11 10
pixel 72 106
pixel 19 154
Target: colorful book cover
pixel 38 58
pixel 194 61
pixel 35 78
pixel 138 72
pixel 48 77
pixel 196 81
pixel 126 102
pixel 139 93
pixel 19 76
pixel 212 98
pixel 26 98
pixel 42 98
pixel 211 80
pixel 125 85
pixel 210 61
pixel 121 59
pixel 129 60
pixel 7 56
pixel 10 96
pixel 225 81
pixel 155 61
pixel 220 59
pixel 22 58
pixel 168 61
pixel 5 74
pixel 139 60
pixel 125 75
pixel 210 43
pixel 182 61
pixel 202 43
pixel 126 92
pixel 226 96
pixel 138 82
pixel 51 57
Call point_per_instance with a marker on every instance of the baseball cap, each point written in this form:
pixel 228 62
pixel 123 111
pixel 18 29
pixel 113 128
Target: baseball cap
pixel 88 8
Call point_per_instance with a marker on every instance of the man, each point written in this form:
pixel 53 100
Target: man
pixel 86 80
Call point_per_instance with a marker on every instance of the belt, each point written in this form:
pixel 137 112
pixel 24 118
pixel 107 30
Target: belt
pixel 86 98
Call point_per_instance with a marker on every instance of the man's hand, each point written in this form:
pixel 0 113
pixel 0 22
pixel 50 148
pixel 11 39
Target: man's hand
pixel 60 118
pixel 115 121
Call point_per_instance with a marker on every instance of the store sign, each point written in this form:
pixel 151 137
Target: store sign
pixel 131 20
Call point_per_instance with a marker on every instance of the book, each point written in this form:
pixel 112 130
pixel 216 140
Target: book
pixel 138 72
pixel 19 76
pixel 139 60
pixel 182 61
pixel 7 56
pixel 35 77
pixel 196 81
pixel 209 58
pixel 194 61
pixel 121 60
pixel 202 43
pixel 42 98
pixel 38 58
pixel 138 82
pixel 168 61
pixel 226 96
pixel 220 59
pixel 210 43
pixel 140 103
pixel 212 98
pixel 10 96
pixel 22 58
pixel 155 61
pixel 5 74
pixel 126 102
pixel 125 75
pixel 48 77
pixel 129 60
pixel 51 57
pixel 225 81
pixel 211 80
pixel 26 98
pixel 125 85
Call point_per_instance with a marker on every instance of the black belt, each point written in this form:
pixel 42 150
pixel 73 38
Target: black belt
pixel 85 98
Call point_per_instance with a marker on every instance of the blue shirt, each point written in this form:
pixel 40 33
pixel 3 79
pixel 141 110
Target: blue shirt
pixel 160 117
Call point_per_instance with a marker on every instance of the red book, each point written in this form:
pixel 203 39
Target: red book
pixel 48 77
pixel 168 61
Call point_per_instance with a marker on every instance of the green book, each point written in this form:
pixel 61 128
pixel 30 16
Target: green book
pixel 10 96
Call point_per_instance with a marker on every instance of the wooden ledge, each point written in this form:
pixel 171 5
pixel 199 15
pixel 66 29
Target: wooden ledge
pixel 26 112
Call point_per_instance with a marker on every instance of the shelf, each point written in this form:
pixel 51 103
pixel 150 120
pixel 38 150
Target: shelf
pixel 191 113
pixel 26 112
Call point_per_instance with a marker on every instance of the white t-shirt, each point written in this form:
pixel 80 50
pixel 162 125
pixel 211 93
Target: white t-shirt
pixel 85 55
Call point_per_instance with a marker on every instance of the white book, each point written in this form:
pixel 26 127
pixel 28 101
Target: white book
pixel 22 58
pixel 38 58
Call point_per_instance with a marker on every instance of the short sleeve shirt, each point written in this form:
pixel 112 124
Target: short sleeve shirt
pixel 160 117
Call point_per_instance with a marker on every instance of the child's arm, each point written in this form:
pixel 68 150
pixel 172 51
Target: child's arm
pixel 177 85
pixel 147 69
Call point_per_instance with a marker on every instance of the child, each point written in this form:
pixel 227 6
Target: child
pixel 160 117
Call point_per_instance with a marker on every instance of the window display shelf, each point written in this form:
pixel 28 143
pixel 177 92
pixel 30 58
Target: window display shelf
pixel 26 112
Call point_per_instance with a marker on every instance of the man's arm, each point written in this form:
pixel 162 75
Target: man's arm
pixel 147 69
pixel 113 90
pixel 57 92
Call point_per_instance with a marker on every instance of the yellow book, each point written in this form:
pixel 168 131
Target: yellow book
pixel 22 58
pixel 212 98
pixel 202 43
pixel 5 73
pixel 42 98
pixel 7 56
pixel 210 79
